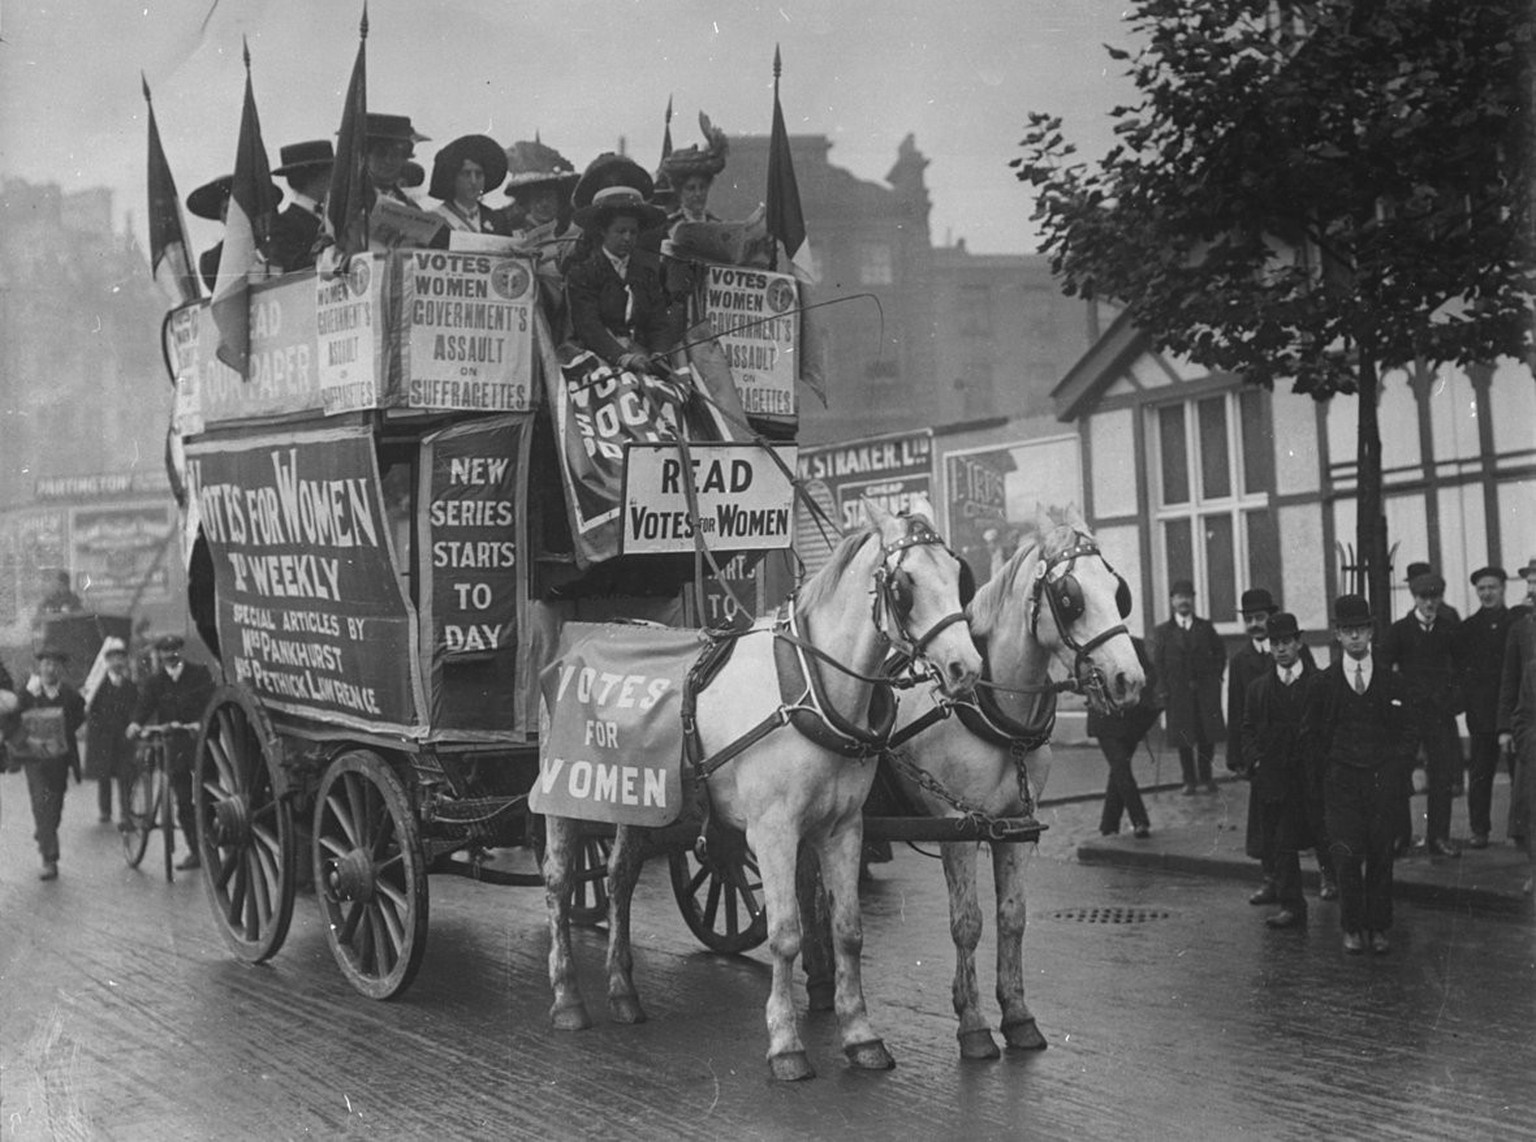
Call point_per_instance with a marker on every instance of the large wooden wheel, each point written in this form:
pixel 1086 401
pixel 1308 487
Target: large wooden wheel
pixel 244 826
pixel 370 874
pixel 721 898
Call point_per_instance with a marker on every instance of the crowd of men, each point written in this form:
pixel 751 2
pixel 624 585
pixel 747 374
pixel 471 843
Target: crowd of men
pixel 1331 753
pixel 41 723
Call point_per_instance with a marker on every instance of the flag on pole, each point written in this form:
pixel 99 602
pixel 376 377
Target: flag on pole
pixel 346 203
pixel 252 205
pixel 786 221
pixel 666 135
pixel 170 257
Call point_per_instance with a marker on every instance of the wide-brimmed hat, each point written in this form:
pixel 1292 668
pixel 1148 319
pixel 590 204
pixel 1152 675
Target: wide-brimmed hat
pixel 532 165
pixel 1181 587
pixel 208 200
pixel 615 200
pixel 307 156
pixel 1490 573
pixel 481 149
pixel 1426 585
pixel 1282 624
pixel 1256 599
pixel 1352 611
pixel 397 127
pixel 51 650
pixel 609 169
pixel 708 160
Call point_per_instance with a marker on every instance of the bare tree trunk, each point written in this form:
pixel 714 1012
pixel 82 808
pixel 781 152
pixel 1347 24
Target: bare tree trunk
pixel 1370 521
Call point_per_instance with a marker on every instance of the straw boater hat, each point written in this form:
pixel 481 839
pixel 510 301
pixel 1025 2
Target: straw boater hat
pixel 481 149
pixel 708 160
pixel 300 158
pixel 615 200
pixel 533 166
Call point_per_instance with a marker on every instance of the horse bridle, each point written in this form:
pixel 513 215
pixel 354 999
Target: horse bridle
pixel 1053 588
pixel 893 589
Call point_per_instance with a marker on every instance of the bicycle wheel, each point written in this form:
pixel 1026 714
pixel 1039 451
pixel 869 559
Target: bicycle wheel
pixel 167 820
pixel 140 813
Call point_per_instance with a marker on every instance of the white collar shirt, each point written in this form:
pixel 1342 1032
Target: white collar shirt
pixel 620 265
pixel 1358 667
pixel 304 202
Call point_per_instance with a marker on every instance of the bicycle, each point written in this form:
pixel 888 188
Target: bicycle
pixel 150 802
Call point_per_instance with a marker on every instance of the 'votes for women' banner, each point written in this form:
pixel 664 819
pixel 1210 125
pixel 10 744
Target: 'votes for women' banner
pixel 310 613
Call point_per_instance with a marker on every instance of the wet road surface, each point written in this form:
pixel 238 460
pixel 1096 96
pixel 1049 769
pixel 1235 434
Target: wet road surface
pixel 122 1016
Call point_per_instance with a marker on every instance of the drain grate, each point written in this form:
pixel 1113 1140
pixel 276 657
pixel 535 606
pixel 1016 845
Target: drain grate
pixel 1111 915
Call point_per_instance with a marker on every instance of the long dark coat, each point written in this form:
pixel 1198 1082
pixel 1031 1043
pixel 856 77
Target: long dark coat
pixel 108 753
pixel 601 312
pixel 1281 770
pixel 1190 665
pixel 1517 716
pixel 1480 658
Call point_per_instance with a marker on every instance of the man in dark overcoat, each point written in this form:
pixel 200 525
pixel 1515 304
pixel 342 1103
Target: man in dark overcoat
pixel 1421 648
pixel 1356 723
pixel 177 692
pixel 1517 720
pixel 1287 782
pixel 109 751
pixel 1189 659
pixel 1480 659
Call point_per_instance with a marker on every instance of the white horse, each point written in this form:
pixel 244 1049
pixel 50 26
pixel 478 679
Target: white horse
pixel 1056 599
pixel 784 788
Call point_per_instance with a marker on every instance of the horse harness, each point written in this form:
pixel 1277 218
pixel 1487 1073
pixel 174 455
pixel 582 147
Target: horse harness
pixel 803 701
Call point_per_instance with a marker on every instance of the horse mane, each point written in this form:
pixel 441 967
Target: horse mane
pixel 986 609
pixel 821 585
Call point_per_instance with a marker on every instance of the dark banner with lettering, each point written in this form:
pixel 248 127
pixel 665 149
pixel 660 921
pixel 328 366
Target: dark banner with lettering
pixel 472 543
pixel 310 612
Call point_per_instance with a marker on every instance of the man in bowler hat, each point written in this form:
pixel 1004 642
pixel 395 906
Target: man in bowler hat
pixel 1189 659
pixel 177 692
pixel 1356 724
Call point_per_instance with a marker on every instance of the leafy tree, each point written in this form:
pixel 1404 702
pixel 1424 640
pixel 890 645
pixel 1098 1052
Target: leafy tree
pixel 1310 192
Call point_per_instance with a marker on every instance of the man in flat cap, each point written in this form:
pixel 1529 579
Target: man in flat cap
pixel 1421 648
pixel 1189 659
pixel 177 692
pixel 1480 657
pixel 52 713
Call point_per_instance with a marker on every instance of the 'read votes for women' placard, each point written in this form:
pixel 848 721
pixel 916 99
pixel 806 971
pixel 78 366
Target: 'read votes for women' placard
pixel 467 331
pixel 310 614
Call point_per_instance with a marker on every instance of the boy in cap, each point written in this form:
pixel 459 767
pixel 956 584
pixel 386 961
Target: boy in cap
pixel 1421 648
pixel 1287 781
pixel 1189 659
pixel 176 692
pixel 108 749
pixel 52 712
pixel 1355 724
pixel 1480 658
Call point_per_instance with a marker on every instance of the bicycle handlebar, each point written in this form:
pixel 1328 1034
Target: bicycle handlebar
pixel 165 729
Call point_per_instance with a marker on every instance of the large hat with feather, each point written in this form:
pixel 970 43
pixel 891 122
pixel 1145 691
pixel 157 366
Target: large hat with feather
pixel 708 160
pixel 531 165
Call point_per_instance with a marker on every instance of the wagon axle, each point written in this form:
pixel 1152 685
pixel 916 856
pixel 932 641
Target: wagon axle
pixel 350 877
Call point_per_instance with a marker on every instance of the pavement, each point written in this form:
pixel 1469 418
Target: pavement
pixel 1203 834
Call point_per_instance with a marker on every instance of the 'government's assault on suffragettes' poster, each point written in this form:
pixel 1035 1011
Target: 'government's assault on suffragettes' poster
pixel 311 616
pixel 755 315
pixel 348 334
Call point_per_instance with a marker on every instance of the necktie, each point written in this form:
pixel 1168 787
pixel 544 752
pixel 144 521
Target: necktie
pixel 1286 676
pixel 1359 678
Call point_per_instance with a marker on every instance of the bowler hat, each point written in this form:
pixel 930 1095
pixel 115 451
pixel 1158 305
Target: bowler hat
pixel 1426 584
pixel 532 164
pixel 1282 624
pixel 1351 611
pixel 481 149
pixel 51 650
pixel 615 200
pixel 307 156
pixel 609 169
pixel 397 127
pixel 1416 569
pixel 169 642
pixel 1181 587
pixel 1528 570
pixel 1257 599
pixel 1490 573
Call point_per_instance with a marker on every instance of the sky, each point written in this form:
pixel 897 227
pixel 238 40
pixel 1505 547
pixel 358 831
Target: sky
pixel 961 75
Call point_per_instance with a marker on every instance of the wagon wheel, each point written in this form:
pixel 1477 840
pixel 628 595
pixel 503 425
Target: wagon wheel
pixel 370 874
pixel 721 898
pixel 244 826
pixel 589 877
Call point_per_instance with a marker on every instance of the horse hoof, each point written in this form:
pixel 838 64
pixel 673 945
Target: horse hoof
pixel 978 1045
pixel 870 1056
pixel 1024 1036
pixel 790 1067
pixel 570 1018
pixel 820 996
pixel 625 1009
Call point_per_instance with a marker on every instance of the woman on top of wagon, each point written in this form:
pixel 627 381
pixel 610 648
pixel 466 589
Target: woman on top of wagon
pixel 691 172
pixel 619 310
pixel 462 173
